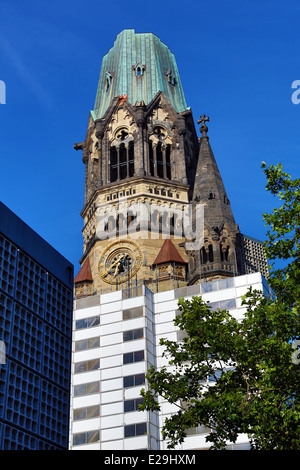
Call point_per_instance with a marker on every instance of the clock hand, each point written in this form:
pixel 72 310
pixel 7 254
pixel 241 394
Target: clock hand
pixel 118 265
pixel 115 262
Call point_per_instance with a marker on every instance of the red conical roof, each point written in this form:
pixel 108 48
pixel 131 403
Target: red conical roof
pixel 85 273
pixel 169 254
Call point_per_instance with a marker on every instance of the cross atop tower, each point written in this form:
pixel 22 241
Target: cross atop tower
pixel 203 128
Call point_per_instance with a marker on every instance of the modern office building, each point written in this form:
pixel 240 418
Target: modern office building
pixel 253 258
pixel 116 340
pixel 36 307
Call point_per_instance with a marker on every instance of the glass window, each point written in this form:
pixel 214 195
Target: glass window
pixel 81 345
pixel 138 356
pixel 135 356
pixel 141 428
pixel 128 335
pixel 132 313
pixel 93 343
pixel 128 406
pixel 93 436
pixel 87 322
pixel 79 414
pixel 135 430
pixel 133 334
pixel 87 366
pixel 128 381
pixel 80 324
pixel 138 333
pixel 132 405
pixel 139 379
pixel 127 358
pixel 86 389
pixel 86 437
pixel 86 413
pixel 93 387
pixel 79 390
pixel 79 439
pixel 93 321
pixel 133 380
pixel 129 430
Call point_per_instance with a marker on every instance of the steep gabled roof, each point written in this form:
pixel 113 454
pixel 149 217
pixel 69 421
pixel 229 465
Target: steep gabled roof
pixel 169 254
pixel 85 273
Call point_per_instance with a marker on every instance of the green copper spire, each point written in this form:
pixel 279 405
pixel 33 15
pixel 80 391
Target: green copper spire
pixel 139 65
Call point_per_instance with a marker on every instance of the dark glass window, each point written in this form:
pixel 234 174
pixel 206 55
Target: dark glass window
pixel 135 356
pixel 133 380
pixel 139 379
pixel 133 334
pixel 130 430
pixel 128 381
pixel 132 405
pixel 135 430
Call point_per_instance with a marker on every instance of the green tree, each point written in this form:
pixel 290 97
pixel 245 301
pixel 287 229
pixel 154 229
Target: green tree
pixel 253 362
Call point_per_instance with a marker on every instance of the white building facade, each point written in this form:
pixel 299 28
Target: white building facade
pixel 115 341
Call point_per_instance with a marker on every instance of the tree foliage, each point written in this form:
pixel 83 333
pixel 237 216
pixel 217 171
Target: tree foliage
pixel 254 371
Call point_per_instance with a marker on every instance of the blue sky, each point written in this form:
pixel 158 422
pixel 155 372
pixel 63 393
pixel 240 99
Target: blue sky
pixel 237 62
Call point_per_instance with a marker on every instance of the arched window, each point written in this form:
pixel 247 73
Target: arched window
pixel 160 160
pixel 121 161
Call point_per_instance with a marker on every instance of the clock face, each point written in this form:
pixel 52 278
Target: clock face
pixel 119 262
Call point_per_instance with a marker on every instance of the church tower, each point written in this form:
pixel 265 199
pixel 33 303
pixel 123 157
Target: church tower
pixel 144 168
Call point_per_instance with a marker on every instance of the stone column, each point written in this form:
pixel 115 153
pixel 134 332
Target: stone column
pixel 154 158
pixel 127 160
pixel 181 166
pixel 146 152
pixel 118 162
pixel 139 155
pixel 163 148
pixel 85 159
pixel 99 135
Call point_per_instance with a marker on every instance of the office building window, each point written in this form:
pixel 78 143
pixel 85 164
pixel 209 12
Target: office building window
pixel 133 334
pixel 86 413
pixel 130 313
pixel 87 366
pixel 133 380
pixel 89 343
pixel 86 437
pixel 87 322
pixel 136 356
pixel 132 405
pixel 135 430
pixel 86 389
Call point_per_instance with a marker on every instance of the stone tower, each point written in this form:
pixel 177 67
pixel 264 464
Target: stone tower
pixel 144 167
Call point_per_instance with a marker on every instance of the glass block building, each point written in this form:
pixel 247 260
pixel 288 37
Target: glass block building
pixel 36 295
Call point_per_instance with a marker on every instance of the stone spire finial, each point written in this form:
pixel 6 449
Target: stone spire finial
pixel 203 128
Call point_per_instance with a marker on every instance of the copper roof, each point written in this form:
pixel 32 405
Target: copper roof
pixel 169 254
pixel 85 273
